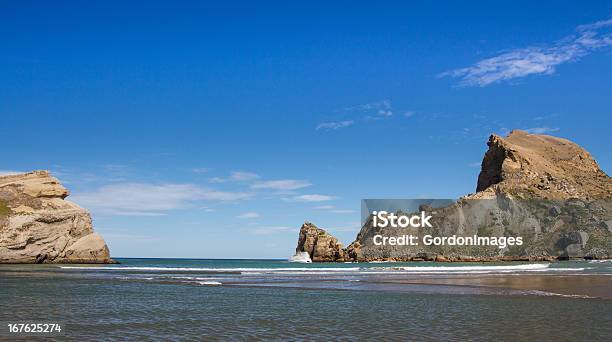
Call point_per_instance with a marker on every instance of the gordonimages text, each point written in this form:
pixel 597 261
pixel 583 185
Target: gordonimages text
pixel 384 219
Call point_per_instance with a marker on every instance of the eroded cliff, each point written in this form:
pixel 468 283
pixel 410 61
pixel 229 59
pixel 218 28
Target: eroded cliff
pixel 38 225
pixel 319 245
pixel 540 166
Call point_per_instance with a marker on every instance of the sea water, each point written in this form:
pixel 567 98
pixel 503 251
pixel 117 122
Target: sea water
pixel 164 299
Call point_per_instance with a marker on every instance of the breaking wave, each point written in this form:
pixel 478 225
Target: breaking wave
pixel 210 283
pixel 535 267
pixel 525 267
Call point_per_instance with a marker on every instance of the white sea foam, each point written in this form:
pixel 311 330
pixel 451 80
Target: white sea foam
pixel 476 269
pixel 554 294
pixel 193 278
pixel 210 283
pixel 303 257
pixel 207 269
pixel 523 267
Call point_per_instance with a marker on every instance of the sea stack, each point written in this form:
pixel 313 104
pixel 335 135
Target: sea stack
pixel 319 245
pixel 548 190
pixel 38 225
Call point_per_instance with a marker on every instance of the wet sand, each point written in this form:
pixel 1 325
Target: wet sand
pixel 587 286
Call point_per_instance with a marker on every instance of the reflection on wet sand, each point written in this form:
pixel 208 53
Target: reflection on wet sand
pixel 597 286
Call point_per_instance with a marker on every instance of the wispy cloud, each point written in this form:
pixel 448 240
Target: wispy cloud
pixel 342 211
pixel 144 199
pixel 332 209
pixel 372 111
pixel 333 125
pixel 208 209
pixel 249 215
pixel 535 59
pixel 243 176
pixel 311 198
pixel 541 130
pixel 385 113
pixel 545 117
pixel 377 105
pixel 281 184
pixel 235 176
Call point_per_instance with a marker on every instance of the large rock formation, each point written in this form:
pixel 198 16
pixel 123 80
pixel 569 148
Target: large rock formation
pixel 319 245
pixel 547 190
pixel 540 166
pixel 37 224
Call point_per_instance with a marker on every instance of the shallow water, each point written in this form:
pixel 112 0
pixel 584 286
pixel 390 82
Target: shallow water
pixel 168 298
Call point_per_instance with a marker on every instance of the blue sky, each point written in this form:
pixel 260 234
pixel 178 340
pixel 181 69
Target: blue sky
pixel 209 130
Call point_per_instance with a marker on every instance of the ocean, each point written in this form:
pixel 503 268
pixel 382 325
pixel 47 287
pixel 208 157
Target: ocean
pixel 203 299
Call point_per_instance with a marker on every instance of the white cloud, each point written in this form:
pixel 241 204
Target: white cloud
pixel 249 215
pixel 373 111
pixel 383 104
pixel 332 209
pixel 409 114
pixel 312 198
pixel 541 130
pixel 535 59
pixel 334 125
pixel 235 176
pixel 282 184
pixel 149 199
pixel 241 176
pixel 342 211
pixel 223 196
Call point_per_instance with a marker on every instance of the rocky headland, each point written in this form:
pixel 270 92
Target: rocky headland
pixel 38 225
pixel 546 189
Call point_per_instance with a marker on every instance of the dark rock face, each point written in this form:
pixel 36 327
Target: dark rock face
pixel 491 167
pixel 548 190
